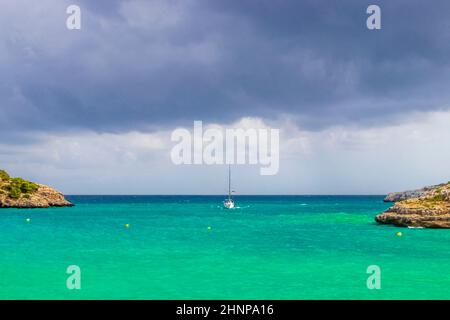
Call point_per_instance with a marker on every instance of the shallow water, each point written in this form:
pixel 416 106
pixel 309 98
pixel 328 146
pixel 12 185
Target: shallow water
pixel 270 247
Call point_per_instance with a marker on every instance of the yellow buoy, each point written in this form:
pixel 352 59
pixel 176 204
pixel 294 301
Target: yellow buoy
pixel 399 234
pixel 209 228
pixel 27 219
pixel 127 225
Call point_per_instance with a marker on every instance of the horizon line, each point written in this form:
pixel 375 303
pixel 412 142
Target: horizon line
pixel 216 195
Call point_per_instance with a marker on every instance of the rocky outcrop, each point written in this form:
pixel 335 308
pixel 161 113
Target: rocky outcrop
pixel 430 209
pixel 410 194
pixel 19 193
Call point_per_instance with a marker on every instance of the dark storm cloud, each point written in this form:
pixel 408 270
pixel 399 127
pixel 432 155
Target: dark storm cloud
pixel 149 64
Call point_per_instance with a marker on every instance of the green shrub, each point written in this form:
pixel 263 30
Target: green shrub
pixel 4 175
pixel 438 197
pixel 15 187
pixel 18 186
pixel 23 185
pixel 14 192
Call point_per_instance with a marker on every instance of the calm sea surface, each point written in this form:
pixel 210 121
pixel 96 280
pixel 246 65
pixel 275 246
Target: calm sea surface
pixel 188 247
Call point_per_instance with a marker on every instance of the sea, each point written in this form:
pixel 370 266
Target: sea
pixel 190 247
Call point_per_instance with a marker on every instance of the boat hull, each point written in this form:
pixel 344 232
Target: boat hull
pixel 228 204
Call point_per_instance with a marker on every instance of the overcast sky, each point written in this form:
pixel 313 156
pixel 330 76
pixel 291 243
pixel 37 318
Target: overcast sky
pixel 91 111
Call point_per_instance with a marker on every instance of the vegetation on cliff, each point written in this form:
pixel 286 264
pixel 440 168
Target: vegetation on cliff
pixel 4 175
pixel 20 193
pixel 15 187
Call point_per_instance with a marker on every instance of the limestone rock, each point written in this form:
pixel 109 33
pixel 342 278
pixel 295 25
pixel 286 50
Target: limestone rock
pixel 19 193
pixel 430 208
pixel 410 194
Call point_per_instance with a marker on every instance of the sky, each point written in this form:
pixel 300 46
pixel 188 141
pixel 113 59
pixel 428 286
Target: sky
pixel 91 111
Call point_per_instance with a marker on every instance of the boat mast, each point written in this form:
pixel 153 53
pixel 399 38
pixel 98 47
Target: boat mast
pixel 229 182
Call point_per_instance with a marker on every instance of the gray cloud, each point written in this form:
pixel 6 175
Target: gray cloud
pixel 140 65
pixel 335 160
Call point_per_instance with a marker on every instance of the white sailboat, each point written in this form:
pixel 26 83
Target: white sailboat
pixel 229 203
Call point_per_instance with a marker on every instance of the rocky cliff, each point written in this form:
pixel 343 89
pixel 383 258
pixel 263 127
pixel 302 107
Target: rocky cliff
pixel 399 196
pixel 19 193
pixel 428 208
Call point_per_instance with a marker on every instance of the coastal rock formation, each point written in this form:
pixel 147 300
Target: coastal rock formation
pixel 399 196
pixel 19 193
pixel 429 209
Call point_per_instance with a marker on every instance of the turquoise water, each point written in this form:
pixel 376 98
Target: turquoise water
pixel 278 247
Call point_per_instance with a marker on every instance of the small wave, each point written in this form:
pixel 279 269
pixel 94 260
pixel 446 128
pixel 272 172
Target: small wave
pixel 243 207
pixel 236 207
